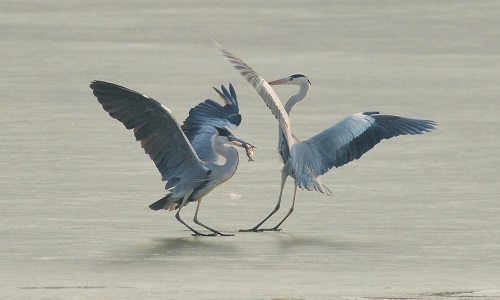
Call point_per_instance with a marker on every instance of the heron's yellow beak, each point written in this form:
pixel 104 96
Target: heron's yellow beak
pixel 237 142
pixel 280 81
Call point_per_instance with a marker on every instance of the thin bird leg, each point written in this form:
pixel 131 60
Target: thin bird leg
pixel 215 232
pixel 284 176
pixel 276 228
pixel 178 217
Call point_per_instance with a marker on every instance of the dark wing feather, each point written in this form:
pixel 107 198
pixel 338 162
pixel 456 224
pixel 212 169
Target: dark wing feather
pixel 199 126
pixel 154 126
pixel 352 137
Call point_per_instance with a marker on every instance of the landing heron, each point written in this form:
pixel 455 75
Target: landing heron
pixel 337 145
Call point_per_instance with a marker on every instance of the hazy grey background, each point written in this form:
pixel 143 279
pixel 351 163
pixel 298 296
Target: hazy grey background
pixel 416 217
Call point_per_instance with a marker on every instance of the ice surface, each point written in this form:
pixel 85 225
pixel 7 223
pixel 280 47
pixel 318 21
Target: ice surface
pixel 415 218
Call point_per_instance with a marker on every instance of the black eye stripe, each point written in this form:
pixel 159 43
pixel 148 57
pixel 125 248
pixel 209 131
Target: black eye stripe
pixel 223 131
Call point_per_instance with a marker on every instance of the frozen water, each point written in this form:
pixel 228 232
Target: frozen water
pixel 417 217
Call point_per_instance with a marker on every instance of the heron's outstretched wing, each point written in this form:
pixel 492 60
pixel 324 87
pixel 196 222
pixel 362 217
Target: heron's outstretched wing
pixel 352 137
pixel 155 127
pixel 199 126
pixel 265 91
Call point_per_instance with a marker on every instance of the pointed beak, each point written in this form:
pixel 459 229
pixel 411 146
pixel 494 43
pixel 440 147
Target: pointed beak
pixel 239 143
pixel 249 148
pixel 280 81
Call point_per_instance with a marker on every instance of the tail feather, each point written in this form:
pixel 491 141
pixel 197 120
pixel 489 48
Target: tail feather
pixel 164 203
pixel 312 183
pixel 159 204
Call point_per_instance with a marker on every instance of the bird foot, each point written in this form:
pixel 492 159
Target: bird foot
pixel 250 230
pixel 271 229
pixel 259 229
pixel 224 234
pixel 211 234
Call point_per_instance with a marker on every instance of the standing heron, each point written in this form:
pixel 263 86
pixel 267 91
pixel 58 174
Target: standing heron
pixel 186 156
pixel 337 145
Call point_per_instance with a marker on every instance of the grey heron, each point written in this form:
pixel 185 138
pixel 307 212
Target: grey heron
pixel 186 156
pixel 337 145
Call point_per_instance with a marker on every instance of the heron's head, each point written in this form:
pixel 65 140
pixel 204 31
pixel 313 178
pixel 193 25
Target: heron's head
pixel 295 79
pixel 226 136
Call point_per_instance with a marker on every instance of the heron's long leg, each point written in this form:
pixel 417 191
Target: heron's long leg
pixel 215 232
pixel 178 217
pixel 284 176
pixel 276 228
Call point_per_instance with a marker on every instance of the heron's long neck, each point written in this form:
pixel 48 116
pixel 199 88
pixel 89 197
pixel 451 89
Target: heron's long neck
pixel 282 143
pixel 304 88
pixel 231 155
